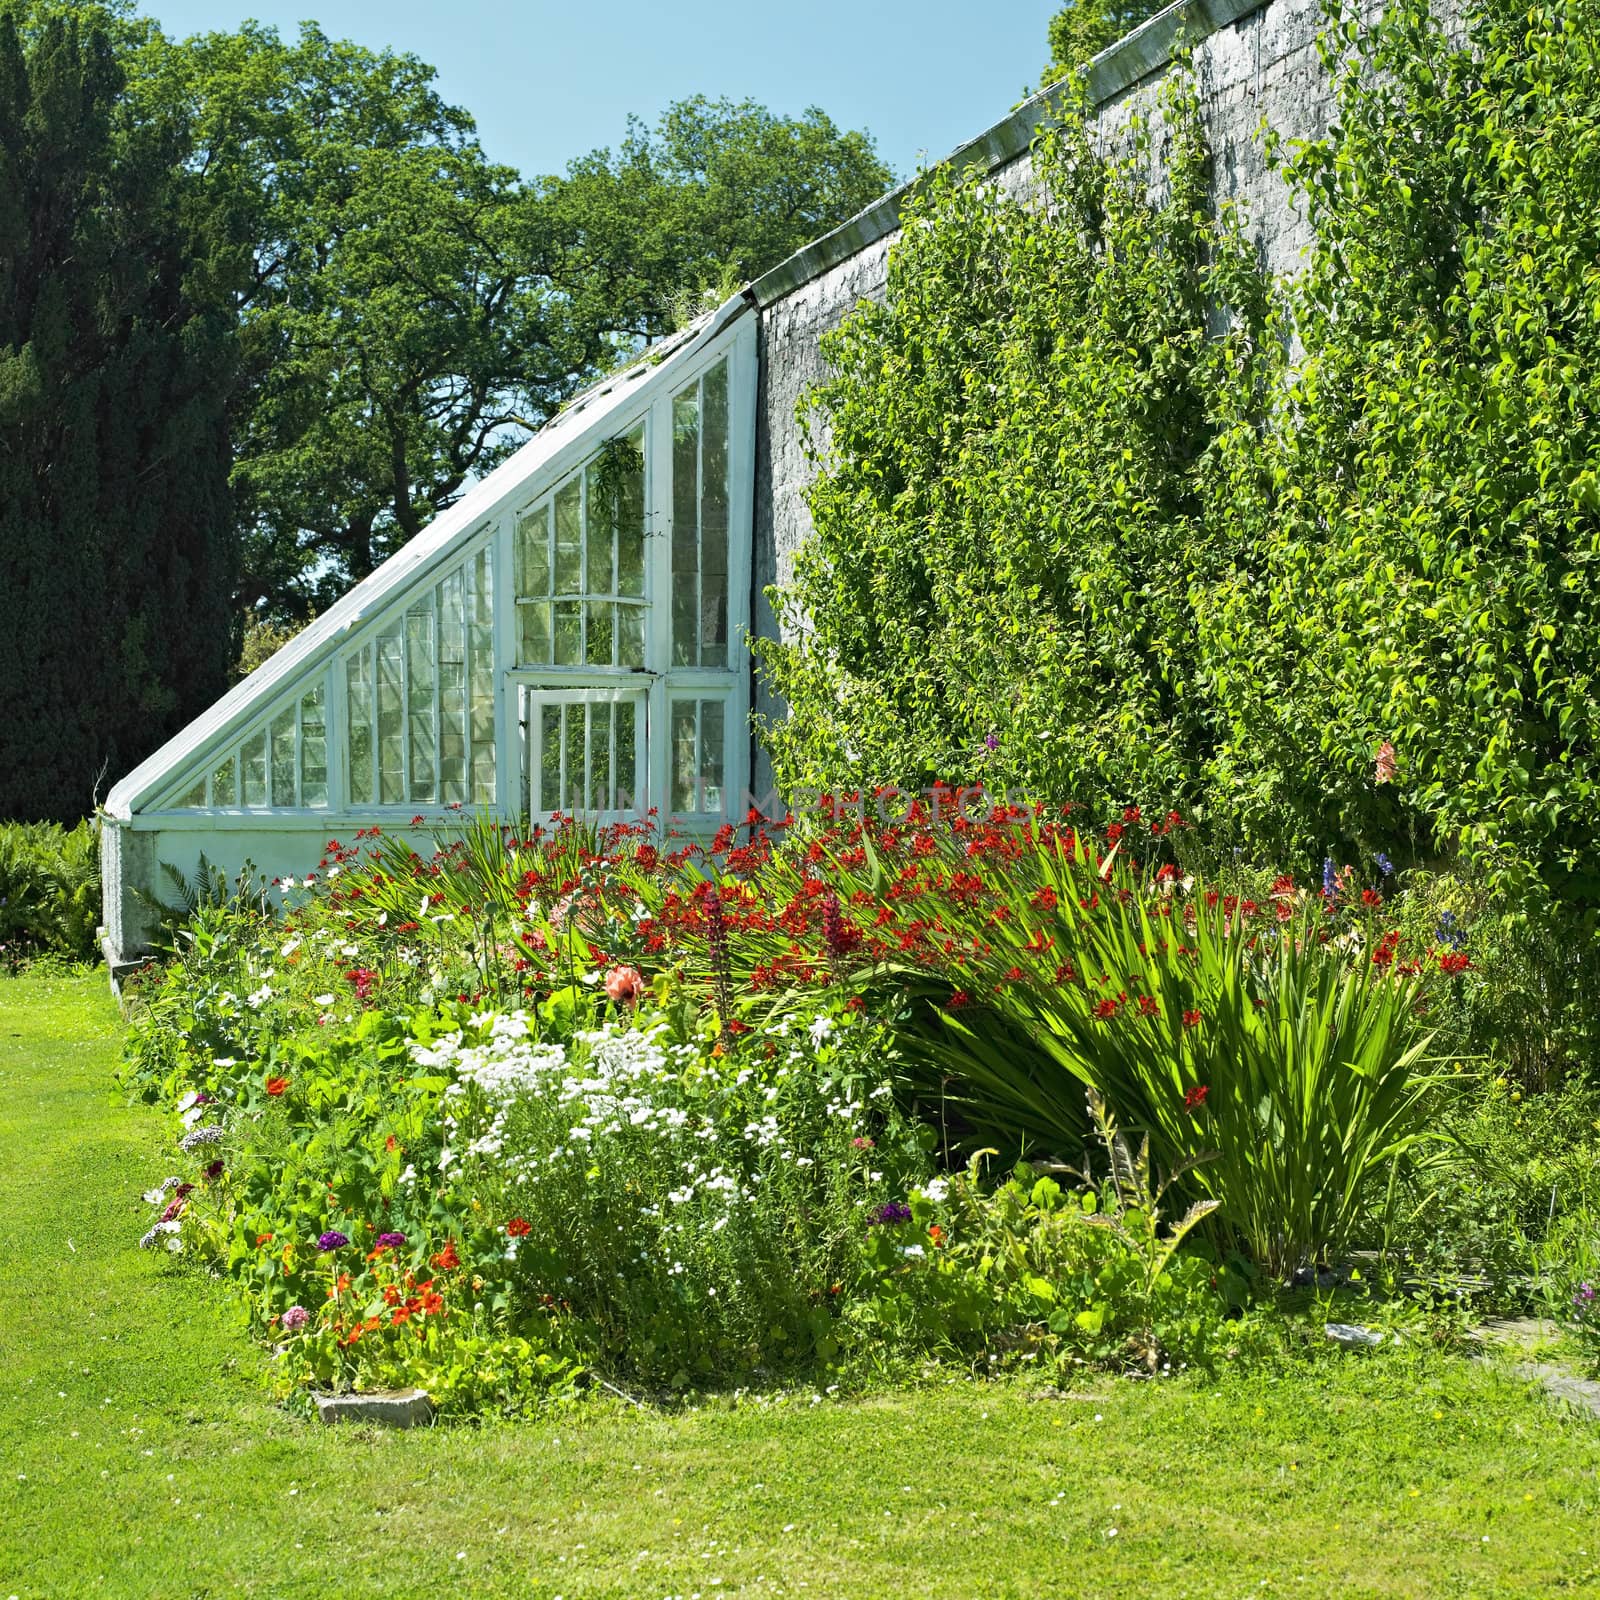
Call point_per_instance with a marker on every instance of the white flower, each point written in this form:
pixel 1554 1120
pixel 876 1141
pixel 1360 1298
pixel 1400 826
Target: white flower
pixel 289 946
pixel 936 1190
pixel 820 1029
pixel 912 1250
pixel 322 1000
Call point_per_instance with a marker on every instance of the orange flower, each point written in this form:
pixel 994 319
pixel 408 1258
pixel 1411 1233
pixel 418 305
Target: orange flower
pixel 447 1260
pixel 936 1233
pixel 276 1086
pixel 519 1228
pixel 263 1238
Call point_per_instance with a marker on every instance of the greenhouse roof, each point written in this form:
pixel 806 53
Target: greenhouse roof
pixel 561 443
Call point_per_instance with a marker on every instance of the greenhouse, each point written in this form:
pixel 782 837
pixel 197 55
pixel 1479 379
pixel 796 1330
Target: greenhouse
pixel 568 637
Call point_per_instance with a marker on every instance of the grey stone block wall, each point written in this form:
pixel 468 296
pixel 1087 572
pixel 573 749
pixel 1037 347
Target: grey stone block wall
pixel 1256 66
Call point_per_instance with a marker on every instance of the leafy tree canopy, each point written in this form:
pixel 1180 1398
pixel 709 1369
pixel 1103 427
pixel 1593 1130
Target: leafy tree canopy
pixel 1083 28
pixel 118 360
pixel 416 309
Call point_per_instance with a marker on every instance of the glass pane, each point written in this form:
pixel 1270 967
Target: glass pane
pixel 451 600
pixel 225 785
pixel 601 492
pixel 193 797
pixel 630 521
pixel 533 551
pixel 630 796
pixel 569 539
pixel 283 758
pixel 358 698
pixel 685 527
pixel 630 636
pixel 253 761
pixel 423 731
pixel 569 633
pixel 533 629
pixel 572 787
pixel 602 746
pixel 714 520
pixel 711 764
pixel 549 797
pixel 391 719
pixel 480 678
pixel 683 755
pixel 313 750
pixel 598 643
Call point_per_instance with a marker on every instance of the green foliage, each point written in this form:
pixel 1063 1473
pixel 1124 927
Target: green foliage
pixel 1008 523
pixel 1412 532
pixel 415 308
pixel 1083 28
pixel 1095 492
pixel 49 891
pixel 1273 1051
pixel 711 197
pixel 117 364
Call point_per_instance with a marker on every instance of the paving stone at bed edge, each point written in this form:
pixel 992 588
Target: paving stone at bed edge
pixel 404 1408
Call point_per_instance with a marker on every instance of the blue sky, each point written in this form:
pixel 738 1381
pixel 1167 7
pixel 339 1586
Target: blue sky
pixel 547 81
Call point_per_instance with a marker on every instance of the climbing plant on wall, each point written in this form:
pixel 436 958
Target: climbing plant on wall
pixel 1008 523
pixel 1083 496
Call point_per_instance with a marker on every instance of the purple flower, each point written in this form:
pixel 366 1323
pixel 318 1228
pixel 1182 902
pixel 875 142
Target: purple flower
pixel 214 1171
pixel 1330 878
pixel 391 1241
pixel 295 1318
pixel 332 1240
pixel 891 1211
pixel 1385 865
pixel 990 742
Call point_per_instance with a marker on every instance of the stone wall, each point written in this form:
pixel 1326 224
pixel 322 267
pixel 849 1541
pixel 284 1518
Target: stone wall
pixel 1256 65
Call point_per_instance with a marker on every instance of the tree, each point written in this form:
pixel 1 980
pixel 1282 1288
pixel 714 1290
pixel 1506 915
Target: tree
pixel 415 310
pixel 718 192
pixel 401 324
pixel 1083 28
pixel 117 361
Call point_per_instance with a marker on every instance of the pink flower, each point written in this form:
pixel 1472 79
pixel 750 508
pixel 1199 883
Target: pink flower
pixel 1386 768
pixel 295 1318
pixel 624 985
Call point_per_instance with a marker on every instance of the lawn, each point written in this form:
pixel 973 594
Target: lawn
pixel 142 1458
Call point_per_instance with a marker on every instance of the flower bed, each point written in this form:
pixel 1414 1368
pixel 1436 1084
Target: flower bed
pixel 535 1108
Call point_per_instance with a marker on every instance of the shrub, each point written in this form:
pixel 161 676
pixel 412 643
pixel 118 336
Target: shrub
pixel 49 891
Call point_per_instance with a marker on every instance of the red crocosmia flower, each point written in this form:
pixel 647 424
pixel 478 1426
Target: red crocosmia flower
pixel 276 1086
pixel 1194 1098
pixel 416 822
pixel 519 1227
pixel 958 999
pixel 1453 961
pixel 1105 1009
pixel 1149 1006
pixel 1371 897
pixel 1191 1019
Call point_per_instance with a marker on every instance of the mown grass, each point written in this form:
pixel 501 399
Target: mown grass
pixel 140 1457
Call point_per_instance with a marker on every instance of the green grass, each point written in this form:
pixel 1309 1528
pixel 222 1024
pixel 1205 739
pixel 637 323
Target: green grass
pixel 140 1457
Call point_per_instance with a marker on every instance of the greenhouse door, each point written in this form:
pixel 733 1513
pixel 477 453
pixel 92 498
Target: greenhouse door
pixel 587 752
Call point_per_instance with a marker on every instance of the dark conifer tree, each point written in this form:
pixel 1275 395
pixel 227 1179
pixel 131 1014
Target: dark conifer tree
pixel 117 360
